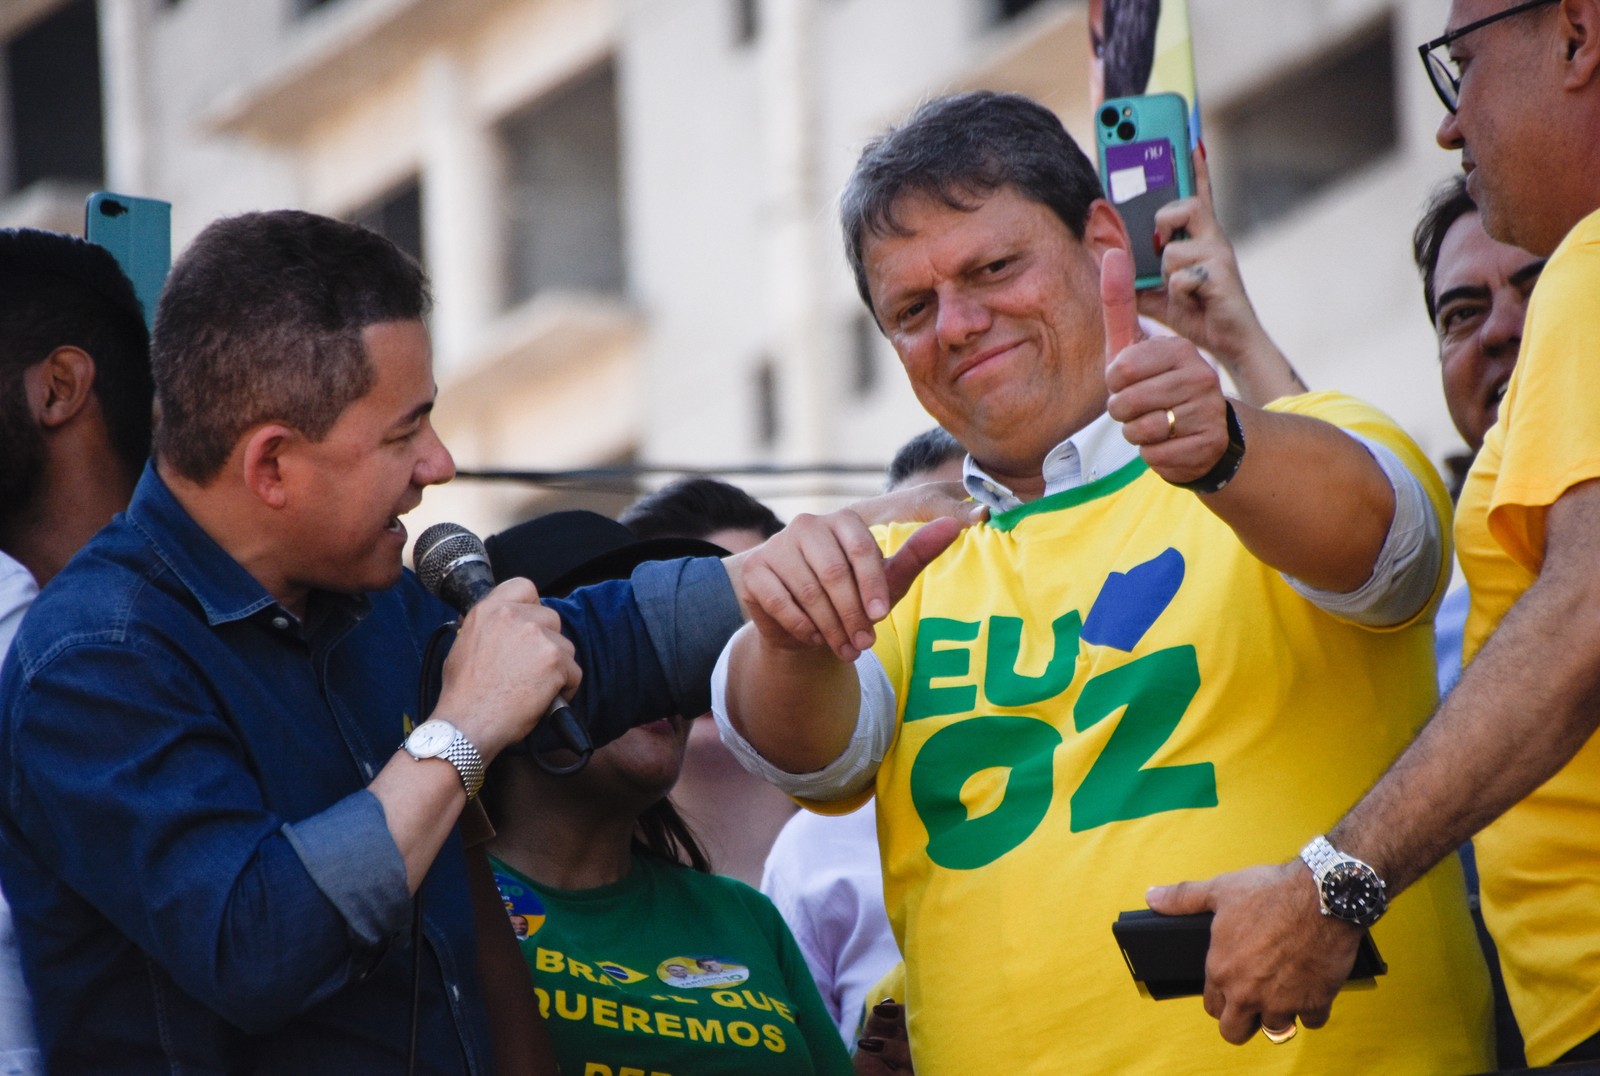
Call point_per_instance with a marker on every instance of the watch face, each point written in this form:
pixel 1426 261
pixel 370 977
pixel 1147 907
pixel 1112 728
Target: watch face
pixel 430 738
pixel 1353 892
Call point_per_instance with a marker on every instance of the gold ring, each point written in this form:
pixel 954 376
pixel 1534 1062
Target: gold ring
pixel 1172 423
pixel 1277 1037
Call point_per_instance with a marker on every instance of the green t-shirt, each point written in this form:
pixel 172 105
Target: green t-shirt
pixel 670 972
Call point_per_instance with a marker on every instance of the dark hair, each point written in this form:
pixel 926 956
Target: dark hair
pixel 1128 45
pixel 661 831
pixel 960 150
pixel 697 507
pixel 57 290
pixel 261 321
pixel 1448 204
pixel 927 451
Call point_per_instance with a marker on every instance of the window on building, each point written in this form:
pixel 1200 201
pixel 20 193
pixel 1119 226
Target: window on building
pixel 765 384
pixel 867 345
pixel 1292 138
pixel 564 190
pixel 397 216
pixel 1003 10
pixel 51 125
pixel 746 21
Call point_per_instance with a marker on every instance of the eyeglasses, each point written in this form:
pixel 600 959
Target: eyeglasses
pixel 1436 56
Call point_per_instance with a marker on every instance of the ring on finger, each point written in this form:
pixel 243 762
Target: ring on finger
pixel 1278 1036
pixel 1172 423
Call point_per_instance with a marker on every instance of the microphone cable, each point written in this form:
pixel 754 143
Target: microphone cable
pixel 428 685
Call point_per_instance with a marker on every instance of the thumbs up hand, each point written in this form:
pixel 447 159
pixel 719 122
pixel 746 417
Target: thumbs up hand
pixel 1165 394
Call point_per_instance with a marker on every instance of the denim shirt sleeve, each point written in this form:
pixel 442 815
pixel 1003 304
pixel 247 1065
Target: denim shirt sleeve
pixel 351 856
pixel 690 611
pixel 135 793
pixel 647 645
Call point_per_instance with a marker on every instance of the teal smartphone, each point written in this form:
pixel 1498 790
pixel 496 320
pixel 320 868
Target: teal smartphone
pixel 1143 143
pixel 138 233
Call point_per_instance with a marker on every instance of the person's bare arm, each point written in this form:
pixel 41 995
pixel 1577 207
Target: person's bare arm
pixel 920 504
pixel 1202 297
pixel 1531 701
pixel 1308 500
pixel 814 593
pixel 1523 708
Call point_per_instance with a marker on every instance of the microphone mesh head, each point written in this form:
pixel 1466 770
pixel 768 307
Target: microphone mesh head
pixel 442 546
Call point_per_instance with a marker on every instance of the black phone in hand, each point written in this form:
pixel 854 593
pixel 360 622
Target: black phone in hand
pixel 1167 953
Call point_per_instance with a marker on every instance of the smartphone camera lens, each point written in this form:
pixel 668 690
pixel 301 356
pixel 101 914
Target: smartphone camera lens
pixel 1108 117
pixel 1125 130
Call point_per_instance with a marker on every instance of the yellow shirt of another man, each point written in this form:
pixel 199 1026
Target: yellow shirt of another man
pixel 1540 862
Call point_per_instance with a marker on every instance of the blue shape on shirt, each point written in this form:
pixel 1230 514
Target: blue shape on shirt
pixel 1130 602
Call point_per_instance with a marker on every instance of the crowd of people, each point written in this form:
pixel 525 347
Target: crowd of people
pixel 1142 613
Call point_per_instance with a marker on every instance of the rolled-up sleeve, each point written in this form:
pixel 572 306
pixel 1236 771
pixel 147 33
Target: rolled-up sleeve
pixel 1406 571
pixel 134 791
pixel 348 852
pixel 646 645
pixel 690 611
pixel 844 777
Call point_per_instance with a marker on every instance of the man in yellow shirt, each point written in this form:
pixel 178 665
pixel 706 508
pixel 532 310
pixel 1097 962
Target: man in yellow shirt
pixel 1189 629
pixel 1513 748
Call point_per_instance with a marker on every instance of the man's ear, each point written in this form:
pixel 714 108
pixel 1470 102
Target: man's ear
pixel 265 473
pixel 1580 33
pixel 64 383
pixel 1104 230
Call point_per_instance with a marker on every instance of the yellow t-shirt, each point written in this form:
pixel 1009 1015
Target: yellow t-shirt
pixel 1540 863
pixel 1102 691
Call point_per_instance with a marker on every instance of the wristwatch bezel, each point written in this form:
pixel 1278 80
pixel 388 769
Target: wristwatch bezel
pixel 438 738
pixel 1351 890
pixel 1347 888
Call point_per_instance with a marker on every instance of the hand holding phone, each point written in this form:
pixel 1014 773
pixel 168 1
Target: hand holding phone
pixel 1143 145
pixel 1167 953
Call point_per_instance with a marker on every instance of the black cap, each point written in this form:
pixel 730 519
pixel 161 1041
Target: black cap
pixel 563 551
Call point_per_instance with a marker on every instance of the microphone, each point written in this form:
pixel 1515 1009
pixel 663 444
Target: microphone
pixel 453 564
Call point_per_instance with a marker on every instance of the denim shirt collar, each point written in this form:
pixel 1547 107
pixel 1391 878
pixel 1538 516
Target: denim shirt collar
pixel 222 586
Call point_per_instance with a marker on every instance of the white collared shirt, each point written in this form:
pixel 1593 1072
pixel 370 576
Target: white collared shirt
pixel 1092 453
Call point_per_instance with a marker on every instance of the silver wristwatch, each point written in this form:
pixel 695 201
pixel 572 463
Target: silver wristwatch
pixel 437 738
pixel 1348 888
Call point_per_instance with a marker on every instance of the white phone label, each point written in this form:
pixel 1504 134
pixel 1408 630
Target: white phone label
pixel 1127 183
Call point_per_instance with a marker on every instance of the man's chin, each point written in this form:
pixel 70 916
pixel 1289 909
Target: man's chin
pixel 368 581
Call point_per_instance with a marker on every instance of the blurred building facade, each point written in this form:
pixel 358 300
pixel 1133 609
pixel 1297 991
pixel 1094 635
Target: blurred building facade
pixel 627 206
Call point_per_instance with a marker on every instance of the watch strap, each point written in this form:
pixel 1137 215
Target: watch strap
pixel 460 752
pixel 1226 467
pixel 1319 855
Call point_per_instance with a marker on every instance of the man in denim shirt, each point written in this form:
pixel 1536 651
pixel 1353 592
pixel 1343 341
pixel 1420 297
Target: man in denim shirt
pixel 209 834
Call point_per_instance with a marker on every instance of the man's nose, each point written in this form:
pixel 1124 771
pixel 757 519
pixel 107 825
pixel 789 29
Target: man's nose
pixel 1449 133
pixel 1502 326
pixel 961 317
pixel 436 465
